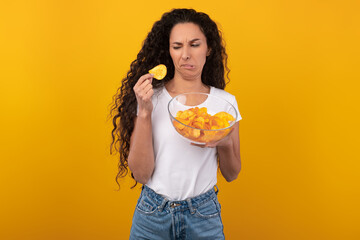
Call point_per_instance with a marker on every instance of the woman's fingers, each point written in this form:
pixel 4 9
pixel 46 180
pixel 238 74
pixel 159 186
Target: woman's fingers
pixel 142 90
pixel 198 145
pixel 143 87
pixel 147 88
pixel 149 94
pixel 221 142
pixel 143 78
pixel 146 92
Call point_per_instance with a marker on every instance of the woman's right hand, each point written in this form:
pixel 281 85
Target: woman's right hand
pixel 143 91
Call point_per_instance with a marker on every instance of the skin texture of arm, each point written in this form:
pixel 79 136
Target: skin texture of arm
pixel 229 155
pixel 141 155
pixel 228 150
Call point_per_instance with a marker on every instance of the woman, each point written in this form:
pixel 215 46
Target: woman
pixel 178 199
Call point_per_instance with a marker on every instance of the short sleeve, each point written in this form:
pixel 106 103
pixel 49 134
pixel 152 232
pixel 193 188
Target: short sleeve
pixel 234 103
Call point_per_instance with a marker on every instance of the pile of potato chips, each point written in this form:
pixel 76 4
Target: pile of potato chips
pixel 198 122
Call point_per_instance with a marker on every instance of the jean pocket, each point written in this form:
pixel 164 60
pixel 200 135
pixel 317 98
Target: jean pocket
pixel 209 209
pixel 146 205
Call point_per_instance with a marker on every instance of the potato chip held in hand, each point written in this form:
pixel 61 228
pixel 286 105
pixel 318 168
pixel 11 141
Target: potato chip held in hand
pixel 159 71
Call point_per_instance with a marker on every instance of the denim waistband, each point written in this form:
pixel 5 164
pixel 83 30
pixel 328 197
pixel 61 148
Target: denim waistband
pixel 190 203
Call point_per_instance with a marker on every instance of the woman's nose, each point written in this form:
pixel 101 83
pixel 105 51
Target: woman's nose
pixel 186 53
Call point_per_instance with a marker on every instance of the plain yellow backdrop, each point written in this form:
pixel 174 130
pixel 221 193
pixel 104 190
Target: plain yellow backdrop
pixel 295 73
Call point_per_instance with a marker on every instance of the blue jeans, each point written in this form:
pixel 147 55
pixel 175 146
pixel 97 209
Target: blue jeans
pixel 156 217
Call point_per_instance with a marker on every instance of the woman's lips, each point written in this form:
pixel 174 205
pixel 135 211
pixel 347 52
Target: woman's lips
pixel 187 66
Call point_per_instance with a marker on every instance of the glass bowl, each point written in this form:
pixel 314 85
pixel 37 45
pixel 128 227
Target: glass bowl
pixel 201 118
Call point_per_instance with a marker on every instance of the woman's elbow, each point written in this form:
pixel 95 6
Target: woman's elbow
pixel 140 175
pixel 143 181
pixel 233 176
pixel 141 178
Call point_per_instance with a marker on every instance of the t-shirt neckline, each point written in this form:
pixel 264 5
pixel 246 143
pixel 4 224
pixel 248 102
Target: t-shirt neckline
pixel 170 97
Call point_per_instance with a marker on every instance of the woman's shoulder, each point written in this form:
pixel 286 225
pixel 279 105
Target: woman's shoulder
pixel 228 97
pixel 222 93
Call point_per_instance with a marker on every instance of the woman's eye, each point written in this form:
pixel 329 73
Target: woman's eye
pixel 195 45
pixel 176 47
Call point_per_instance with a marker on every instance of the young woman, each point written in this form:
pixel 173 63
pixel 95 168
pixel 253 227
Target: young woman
pixel 178 198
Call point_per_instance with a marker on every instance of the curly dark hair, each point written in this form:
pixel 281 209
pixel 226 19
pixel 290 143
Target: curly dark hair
pixel 155 50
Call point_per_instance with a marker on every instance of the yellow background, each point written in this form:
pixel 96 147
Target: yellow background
pixel 295 73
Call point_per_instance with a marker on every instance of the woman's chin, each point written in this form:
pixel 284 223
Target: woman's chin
pixel 190 75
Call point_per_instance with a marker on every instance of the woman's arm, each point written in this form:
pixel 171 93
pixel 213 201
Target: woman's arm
pixel 229 155
pixel 228 150
pixel 141 155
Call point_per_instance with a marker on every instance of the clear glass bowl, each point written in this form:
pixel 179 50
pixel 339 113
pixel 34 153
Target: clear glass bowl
pixel 188 116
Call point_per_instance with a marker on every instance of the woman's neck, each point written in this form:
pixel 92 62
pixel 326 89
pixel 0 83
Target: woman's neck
pixel 178 85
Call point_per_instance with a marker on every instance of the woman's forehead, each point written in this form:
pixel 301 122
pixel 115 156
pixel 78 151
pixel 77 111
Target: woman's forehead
pixel 186 32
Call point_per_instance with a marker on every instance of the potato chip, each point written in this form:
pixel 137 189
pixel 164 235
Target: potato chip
pixel 178 114
pixel 181 126
pixel 186 114
pixel 159 71
pixel 198 121
pixel 195 133
pixel 225 115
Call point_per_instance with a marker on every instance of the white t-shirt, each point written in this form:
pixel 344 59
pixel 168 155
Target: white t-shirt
pixel 181 170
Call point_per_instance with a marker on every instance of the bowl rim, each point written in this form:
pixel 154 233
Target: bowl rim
pixel 208 94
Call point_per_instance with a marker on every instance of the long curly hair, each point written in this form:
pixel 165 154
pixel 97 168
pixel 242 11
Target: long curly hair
pixel 154 51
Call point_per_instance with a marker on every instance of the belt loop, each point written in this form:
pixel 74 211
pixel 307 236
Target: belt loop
pixel 217 189
pixel 161 207
pixel 192 210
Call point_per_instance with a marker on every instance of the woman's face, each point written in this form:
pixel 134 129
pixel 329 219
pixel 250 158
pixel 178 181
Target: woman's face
pixel 188 50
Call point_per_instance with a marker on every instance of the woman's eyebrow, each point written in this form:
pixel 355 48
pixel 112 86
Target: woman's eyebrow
pixel 194 40
pixel 191 41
